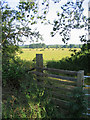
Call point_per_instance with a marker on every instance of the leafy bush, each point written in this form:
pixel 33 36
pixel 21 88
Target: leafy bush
pixel 78 105
pixel 75 62
pixel 14 70
pixel 30 101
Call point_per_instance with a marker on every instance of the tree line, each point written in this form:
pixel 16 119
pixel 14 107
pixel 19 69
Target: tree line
pixel 42 45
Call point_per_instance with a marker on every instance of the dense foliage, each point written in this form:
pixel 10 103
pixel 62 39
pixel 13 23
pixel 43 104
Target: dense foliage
pixel 75 62
pixel 15 25
pixel 13 72
pixel 32 101
pixel 78 105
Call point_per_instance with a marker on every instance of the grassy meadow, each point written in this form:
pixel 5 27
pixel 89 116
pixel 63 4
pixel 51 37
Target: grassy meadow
pixel 48 54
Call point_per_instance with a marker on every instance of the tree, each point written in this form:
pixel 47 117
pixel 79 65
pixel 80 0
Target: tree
pixel 17 23
pixel 27 14
pixel 43 45
pixel 70 18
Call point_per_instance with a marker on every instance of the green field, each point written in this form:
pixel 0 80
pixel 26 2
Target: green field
pixel 48 54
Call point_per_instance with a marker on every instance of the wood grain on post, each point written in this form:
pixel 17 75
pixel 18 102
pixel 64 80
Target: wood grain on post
pixel 80 78
pixel 39 63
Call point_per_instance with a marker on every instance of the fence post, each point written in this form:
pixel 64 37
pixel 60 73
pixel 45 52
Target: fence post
pixel 39 63
pixel 80 78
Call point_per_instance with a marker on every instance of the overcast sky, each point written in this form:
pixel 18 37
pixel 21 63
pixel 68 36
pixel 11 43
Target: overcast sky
pixel 46 29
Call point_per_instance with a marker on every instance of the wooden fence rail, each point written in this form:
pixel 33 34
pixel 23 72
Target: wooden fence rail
pixel 58 81
pixel 59 71
pixel 54 76
pixel 53 83
pixel 55 88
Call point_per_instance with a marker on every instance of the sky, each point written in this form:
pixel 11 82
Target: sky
pixel 46 29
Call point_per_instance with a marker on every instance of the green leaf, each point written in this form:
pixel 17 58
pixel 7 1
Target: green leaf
pixel 54 29
pixel 32 18
pixel 58 14
pixel 45 12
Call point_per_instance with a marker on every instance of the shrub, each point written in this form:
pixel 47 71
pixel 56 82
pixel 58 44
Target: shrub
pixel 42 50
pixel 13 71
pixel 78 105
pixel 30 101
pixel 75 62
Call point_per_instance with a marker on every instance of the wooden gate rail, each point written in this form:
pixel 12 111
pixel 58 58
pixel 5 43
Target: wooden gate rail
pixel 54 87
pixel 59 71
pixel 59 81
pixel 54 76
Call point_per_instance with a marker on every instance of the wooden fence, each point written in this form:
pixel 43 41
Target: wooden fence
pixel 58 83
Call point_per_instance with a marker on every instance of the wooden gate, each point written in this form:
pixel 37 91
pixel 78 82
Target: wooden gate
pixel 58 83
